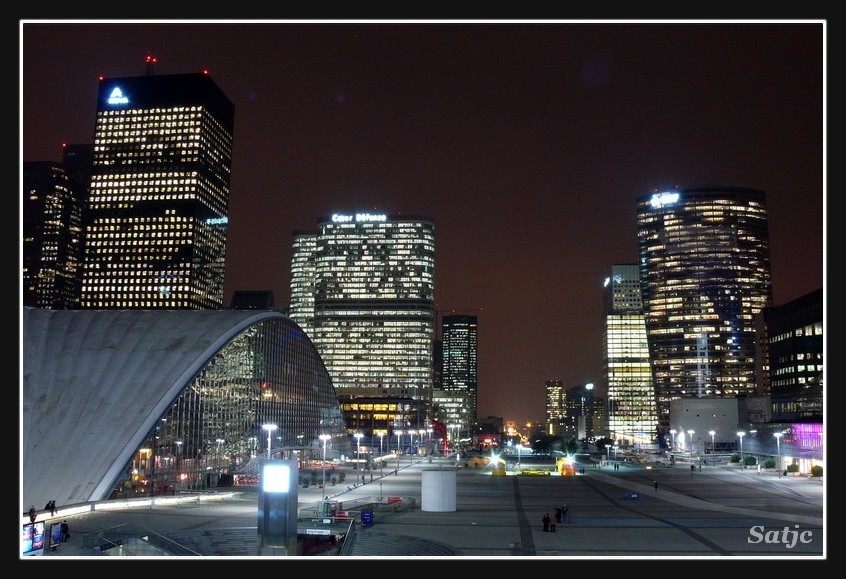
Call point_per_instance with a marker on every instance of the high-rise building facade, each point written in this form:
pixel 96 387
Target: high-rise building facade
pixel 796 358
pixel 459 335
pixel 369 307
pixel 53 213
pixel 556 415
pixel 159 195
pixel 632 413
pixel 705 273
pixel 575 413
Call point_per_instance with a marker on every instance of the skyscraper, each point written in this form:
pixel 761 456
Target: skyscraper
pixel 362 285
pixel 705 272
pixel 159 195
pixel 795 350
pixel 556 411
pixel 632 414
pixel 459 355
pixel 55 197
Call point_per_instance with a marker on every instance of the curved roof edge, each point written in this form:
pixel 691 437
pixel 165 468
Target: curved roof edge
pixel 95 381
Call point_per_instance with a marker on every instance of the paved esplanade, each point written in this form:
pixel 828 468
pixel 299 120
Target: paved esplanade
pixel 718 511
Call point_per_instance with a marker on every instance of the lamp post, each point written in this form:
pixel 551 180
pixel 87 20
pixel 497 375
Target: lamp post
pixel 398 433
pixel 673 440
pixel 219 442
pixel 712 433
pixel 778 449
pixel 690 434
pixel 741 434
pixel 324 438
pixel 381 436
pixel 519 453
pixel 269 428
pixel 178 444
pixel 358 436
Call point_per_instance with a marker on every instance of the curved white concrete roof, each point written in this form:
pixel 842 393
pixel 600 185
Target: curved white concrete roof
pixel 94 383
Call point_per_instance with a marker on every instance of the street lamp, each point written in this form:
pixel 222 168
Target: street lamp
pixel 398 433
pixel 381 436
pixel 778 449
pixel 219 442
pixel 358 436
pixel 712 433
pixel 324 438
pixel 741 434
pixel 690 434
pixel 673 440
pixel 178 444
pixel 269 428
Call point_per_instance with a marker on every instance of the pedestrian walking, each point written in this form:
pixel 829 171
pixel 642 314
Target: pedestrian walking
pixel 557 514
pixel 565 514
pixel 32 514
pixel 65 532
pixel 51 506
pixel 546 521
pixel 655 484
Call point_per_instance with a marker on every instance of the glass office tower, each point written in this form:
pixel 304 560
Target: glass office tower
pixel 159 195
pixel 459 366
pixel 372 317
pixel 632 414
pixel 705 273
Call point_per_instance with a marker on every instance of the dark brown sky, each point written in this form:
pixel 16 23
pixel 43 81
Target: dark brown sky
pixel 528 143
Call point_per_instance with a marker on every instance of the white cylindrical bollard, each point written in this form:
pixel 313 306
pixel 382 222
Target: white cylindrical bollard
pixel 439 490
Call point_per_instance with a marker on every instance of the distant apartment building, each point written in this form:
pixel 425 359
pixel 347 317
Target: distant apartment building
pixel 575 413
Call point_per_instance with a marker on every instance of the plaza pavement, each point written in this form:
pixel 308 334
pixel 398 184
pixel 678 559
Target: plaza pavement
pixel 719 511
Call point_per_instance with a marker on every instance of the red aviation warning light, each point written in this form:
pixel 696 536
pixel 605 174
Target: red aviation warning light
pixel 151 64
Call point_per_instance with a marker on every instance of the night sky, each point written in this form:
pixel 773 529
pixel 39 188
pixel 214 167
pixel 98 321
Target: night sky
pixel 528 143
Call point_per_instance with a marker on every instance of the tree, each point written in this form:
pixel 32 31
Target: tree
pixel 542 443
pixel 601 443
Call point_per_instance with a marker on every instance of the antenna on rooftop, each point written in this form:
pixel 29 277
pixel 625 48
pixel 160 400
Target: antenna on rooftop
pixel 151 64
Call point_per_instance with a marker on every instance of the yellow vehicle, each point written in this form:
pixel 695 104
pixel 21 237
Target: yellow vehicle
pixel 534 472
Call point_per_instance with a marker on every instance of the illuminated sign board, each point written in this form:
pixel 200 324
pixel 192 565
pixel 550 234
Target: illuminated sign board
pixel 276 478
pixel 359 218
pixel 117 97
pixel 33 537
pixel 217 221
pixel 661 199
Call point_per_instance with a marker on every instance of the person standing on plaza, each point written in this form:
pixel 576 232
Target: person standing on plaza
pixel 65 532
pixel 557 514
pixel 655 484
pixel 565 514
pixel 546 521
pixel 32 514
